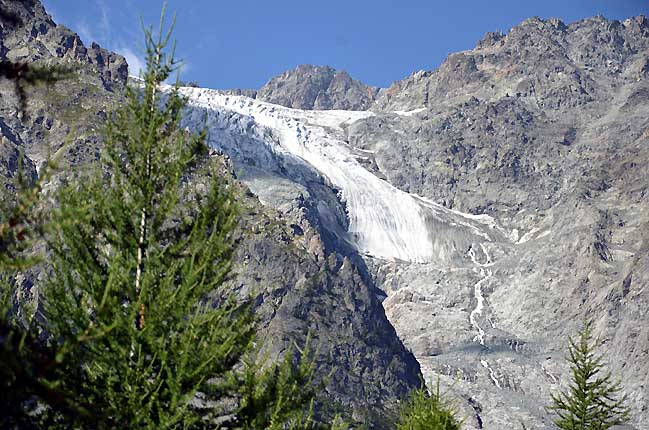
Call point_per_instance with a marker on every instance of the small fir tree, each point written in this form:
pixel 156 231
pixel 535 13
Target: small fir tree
pixel 279 396
pixel 428 411
pixel 593 400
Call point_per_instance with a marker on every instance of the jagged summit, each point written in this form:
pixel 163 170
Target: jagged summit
pixel 547 61
pixel 28 33
pixel 314 88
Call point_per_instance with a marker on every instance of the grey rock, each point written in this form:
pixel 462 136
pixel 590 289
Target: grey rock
pixel 317 87
pixel 545 130
pixel 112 67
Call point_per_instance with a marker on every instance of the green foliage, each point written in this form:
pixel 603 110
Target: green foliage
pixel 133 266
pixel 338 423
pixel 592 401
pixel 278 396
pixel 424 411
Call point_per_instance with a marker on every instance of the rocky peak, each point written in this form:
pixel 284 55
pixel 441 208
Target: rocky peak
pixel 317 87
pixel 28 33
pixel 546 62
pixel 491 39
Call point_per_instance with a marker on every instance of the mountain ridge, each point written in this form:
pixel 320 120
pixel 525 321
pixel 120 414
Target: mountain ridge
pixel 283 89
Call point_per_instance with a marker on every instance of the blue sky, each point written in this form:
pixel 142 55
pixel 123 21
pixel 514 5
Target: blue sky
pixel 242 43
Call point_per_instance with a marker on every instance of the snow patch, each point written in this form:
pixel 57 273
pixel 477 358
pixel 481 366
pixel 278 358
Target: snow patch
pixel 409 112
pixel 492 374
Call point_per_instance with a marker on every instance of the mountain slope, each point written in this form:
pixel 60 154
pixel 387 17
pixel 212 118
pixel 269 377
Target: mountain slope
pixel 534 147
pixel 298 288
pixel 493 203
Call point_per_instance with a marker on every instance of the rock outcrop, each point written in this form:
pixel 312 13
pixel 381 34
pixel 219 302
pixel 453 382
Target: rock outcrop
pixel 317 87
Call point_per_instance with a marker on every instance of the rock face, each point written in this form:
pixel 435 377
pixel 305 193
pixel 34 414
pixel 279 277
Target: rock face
pixel 317 87
pixel 536 143
pixel 299 291
pixel 545 129
pixel 299 288
pixel 28 34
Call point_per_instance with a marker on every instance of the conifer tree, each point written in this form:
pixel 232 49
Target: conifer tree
pixel 279 396
pixel 593 400
pixel 134 267
pixel 428 411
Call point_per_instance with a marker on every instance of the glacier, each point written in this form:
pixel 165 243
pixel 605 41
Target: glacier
pixel 435 265
pixel 383 221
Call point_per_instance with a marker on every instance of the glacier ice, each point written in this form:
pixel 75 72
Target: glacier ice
pixel 384 222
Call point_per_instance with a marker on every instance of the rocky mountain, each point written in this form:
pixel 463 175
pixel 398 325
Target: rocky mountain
pixel 493 205
pixel 314 87
pixel 498 202
pixel 546 130
pixel 299 289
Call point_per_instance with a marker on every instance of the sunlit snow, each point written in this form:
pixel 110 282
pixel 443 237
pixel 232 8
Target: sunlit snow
pixel 384 221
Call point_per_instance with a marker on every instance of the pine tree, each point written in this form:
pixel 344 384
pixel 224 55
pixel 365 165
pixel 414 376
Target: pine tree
pixel 592 401
pixel 135 269
pixel 428 411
